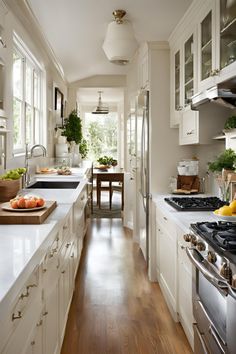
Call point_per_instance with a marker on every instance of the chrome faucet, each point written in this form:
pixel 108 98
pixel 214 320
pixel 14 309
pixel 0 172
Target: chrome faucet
pixel 38 146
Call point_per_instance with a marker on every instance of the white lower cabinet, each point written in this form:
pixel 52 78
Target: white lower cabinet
pixel 167 261
pixel 185 307
pixel 36 321
pixel 174 271
pixel 50 322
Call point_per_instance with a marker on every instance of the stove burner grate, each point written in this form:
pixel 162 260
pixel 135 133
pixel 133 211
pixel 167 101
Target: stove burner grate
pixel 195 203
pixel 221 233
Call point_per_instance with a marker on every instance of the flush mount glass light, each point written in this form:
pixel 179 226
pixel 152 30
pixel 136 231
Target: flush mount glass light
pixel 119 44
pixel 100 109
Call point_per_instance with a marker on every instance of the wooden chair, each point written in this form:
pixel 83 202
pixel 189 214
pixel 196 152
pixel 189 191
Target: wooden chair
pixel 110 178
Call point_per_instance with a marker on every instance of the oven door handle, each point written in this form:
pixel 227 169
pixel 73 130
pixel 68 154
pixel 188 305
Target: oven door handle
pixel 201 264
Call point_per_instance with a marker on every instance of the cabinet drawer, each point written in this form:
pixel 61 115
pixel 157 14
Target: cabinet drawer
pixel 21 307
pixel 165 222
pixel 67 227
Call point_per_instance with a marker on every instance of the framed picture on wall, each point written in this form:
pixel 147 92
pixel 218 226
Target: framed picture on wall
pixel 59 101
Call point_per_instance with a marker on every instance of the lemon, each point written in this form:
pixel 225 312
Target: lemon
pixel 216 211
pixel 225 211
pixel 233 206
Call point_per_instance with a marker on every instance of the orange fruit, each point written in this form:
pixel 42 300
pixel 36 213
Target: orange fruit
pixel 14 204
pixel 21 203
pixel 40 202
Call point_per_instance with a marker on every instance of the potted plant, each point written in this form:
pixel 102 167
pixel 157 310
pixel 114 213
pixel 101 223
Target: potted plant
pixel 230 124
pixel 223 167
pixel 226 160
pixel 73 128
pixel 105 160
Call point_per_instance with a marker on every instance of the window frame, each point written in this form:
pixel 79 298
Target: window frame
pixel 28 61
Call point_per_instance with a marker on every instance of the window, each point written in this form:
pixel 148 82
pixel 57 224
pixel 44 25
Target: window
pixel 27 102
pixel 101 132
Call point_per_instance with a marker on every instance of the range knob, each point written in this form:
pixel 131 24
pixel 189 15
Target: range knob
pixel 194 240
pixel 201 246
pixel 211 256
pixel 187 237
pixel 226 272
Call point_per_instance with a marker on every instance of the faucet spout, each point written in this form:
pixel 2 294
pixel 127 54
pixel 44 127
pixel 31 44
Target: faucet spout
pixel 38 146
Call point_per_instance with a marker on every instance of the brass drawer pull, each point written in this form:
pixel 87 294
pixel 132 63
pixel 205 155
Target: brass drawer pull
pixel 39 323
pixel 63 272
pixel 31 286
pixel 22 296
pixel 68 244
pixel 16 317
pixel 45 313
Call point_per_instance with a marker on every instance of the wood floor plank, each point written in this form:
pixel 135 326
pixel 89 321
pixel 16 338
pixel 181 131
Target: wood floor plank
pixel 115 309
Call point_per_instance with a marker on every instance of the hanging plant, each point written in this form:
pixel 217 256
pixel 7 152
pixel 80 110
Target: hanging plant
pixel 73 128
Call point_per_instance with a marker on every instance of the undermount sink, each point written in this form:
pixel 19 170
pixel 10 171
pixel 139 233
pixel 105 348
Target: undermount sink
pixel 54 185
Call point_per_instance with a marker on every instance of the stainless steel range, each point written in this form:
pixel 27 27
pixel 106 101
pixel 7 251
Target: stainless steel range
pixel 212 250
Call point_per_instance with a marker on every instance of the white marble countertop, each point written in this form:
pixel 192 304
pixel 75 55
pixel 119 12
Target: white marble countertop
pixel 22 247
pixel 183 218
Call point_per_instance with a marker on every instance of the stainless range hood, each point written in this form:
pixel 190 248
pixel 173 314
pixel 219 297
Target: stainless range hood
pixel 223 94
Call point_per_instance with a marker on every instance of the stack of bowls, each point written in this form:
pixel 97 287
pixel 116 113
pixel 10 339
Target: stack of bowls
pixel 188 168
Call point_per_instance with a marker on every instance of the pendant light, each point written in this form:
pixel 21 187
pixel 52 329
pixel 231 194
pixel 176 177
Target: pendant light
pixel 119 44
pixel 100 109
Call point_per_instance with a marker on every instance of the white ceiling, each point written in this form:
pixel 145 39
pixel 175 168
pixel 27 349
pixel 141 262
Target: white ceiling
pixel 76 29
pixel 109 95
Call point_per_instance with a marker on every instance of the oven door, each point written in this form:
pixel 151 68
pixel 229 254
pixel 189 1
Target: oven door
pixel 209 306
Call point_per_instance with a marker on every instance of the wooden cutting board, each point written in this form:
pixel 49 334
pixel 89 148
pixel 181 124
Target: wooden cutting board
pixel 27 217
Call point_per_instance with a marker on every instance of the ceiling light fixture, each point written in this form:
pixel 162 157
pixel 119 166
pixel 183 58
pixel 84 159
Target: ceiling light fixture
pixel 119 44
pixel 100 109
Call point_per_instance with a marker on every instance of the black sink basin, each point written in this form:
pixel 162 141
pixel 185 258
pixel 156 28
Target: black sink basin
pixel 54 185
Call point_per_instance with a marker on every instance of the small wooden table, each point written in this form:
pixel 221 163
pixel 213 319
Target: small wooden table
pixel 110 175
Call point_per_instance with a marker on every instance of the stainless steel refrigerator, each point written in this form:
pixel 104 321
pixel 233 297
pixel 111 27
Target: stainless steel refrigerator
pixel 142 173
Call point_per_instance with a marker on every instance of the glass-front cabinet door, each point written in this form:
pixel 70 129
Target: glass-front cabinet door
pixel 207 62
pixel 176 100
pixel 227 32
pixel 177 81
pixel 188 70
pixel 206 47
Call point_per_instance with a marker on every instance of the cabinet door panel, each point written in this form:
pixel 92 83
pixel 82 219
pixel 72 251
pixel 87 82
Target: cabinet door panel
pixel 51 322
pixel 189 128
pixel 167 264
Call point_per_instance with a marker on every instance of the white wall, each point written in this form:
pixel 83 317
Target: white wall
pixel 19 19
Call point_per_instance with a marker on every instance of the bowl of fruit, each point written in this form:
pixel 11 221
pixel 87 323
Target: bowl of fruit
pixel 227 212
pixel 24 203
pixel 11 183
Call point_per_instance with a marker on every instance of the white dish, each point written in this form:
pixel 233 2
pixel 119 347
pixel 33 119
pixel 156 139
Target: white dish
pixel 7 206
pixel 226 218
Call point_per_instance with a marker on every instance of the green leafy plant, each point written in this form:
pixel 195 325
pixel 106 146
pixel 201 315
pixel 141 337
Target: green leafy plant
pixel 83 148
pixel 105 160
pixel 230 123
pixel 73 128
pixel 226 160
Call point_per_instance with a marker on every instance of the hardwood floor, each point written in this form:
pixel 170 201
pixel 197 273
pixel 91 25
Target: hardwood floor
pixel 115 309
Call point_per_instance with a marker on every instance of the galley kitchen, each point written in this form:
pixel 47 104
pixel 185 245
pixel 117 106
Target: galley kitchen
pixel 118 177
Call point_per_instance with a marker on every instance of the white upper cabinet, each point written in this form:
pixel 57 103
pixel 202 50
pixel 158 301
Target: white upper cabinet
pixel 207 46
pixel 226 38
pixel 216 42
